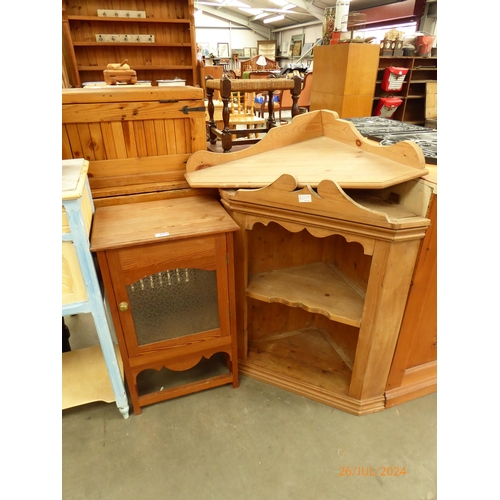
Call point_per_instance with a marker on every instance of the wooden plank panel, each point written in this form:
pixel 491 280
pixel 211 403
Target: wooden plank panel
pixel 170 131
pixel 66 146
pixel 97 141
pixel 198 141
pixel 130 140
pixel 180 136
pixel 122 111
pixel 131 166
pixel 160 137
pixel 86 141
pixel 74 140
pixel 108 140
pixel 140 138
pixel 149 132
pixel 119 139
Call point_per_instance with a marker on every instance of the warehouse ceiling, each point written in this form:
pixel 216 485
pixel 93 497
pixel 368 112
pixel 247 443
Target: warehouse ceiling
pixel 253 13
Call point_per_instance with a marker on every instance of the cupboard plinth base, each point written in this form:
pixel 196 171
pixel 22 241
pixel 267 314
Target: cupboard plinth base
pixel 321 395
pixel 417 382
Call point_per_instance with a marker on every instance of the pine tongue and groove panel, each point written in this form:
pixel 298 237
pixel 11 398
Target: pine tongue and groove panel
pixel 136 140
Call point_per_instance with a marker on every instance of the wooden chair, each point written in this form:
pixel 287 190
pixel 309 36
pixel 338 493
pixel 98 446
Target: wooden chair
pixel 242 112
pixel 251 64
pixel 286 100
pixel 228 88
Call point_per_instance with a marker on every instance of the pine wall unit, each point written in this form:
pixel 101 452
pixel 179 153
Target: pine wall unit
pixel 171 55
pixel 421 70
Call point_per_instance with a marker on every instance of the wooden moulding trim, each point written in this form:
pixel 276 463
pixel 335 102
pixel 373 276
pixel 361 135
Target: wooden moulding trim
pixel 124 94
pixel 323 226
pixel 164 357
pixel 106 192
pixel 417 381
pixel 156 397
pixel 336 400
pixel 181 363
pixel 135 180
pixel 165 194
pixel 329 203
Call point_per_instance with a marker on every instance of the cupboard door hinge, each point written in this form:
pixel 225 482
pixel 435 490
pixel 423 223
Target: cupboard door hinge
pixel 186 110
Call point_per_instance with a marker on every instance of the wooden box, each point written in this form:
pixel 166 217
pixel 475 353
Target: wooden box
pixel 137 139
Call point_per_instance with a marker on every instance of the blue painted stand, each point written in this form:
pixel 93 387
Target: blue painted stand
pixel 95 302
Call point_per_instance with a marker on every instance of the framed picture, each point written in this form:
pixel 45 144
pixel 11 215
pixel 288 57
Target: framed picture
pixel 253 51
pixel 238 52
pixel 297 49
pixel 205 48
pixel 246 52
pixel 223 49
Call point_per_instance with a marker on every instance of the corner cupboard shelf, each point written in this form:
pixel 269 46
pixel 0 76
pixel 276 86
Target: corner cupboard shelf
pixel 421 70
pixel 171 55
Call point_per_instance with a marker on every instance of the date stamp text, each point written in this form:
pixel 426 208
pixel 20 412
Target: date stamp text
pixel 370 471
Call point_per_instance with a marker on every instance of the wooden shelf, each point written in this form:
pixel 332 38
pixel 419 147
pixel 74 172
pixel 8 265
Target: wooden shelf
pixel 317 288
pixel 173 49
pixel 130 44
pixel 127 19
pixel 140 68
pixel 313 363
pixel 421 70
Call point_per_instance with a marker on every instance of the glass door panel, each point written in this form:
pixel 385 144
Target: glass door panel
pixel 173 303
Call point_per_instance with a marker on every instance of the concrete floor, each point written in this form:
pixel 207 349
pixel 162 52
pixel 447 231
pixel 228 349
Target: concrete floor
pixel 256 442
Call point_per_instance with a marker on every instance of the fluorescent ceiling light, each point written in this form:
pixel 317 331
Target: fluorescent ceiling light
pixel 260 16
pixel 273 19
pixel 254 12
pixel 237 3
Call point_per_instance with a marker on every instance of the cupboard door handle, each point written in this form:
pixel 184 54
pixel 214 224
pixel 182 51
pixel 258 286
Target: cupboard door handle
pixel 123 306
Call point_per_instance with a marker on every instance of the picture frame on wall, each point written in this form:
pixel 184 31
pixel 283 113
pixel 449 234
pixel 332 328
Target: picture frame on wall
pixel 253 51
pixel 205 48
pixel 297 49
pixel 246 52
pixel 223 49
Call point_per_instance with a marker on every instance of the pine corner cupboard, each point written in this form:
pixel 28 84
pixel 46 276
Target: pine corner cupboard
pixel 157 37
pixel 331 225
